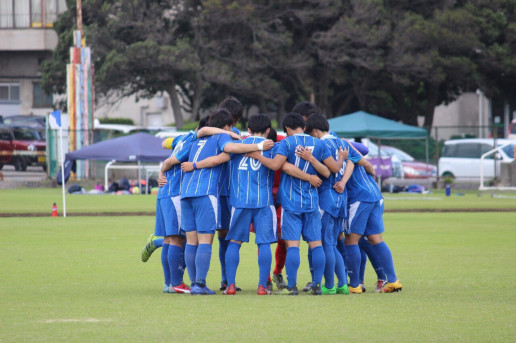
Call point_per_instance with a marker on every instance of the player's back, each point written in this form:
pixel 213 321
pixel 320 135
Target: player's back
pixel 204 181
pixel 251 182
pixel 296 194
pixel 362 186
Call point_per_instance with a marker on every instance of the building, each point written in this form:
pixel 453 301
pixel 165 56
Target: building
pixel 27 38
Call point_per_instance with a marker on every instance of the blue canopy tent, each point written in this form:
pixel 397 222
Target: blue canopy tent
pixel 138 147
pixel 366 125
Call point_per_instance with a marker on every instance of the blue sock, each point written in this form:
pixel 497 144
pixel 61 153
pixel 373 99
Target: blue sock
pixel 329 268
pixel 310 263
pixel 164 263
pixel 353 264
pixel 385 259
pixel 373 258
pixel 174 260
pixel 232 261
pixel 190 253
pixel 340 268
pixel 158 243
pixel 264 263
pixel 341 247
pixel 363 263
pixel 182 262
pixel 202 263
pixel 223 246
pixel 318 263
pixel 292 265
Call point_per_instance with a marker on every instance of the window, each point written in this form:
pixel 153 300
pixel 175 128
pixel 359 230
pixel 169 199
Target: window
pixel 9 93
pixel 468 150
pixel 41 99
pixel 29 13
pixel 5 135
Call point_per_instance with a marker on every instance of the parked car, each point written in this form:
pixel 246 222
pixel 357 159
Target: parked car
pixel 412 169
pixel 397 168
pixel 22 146
pixel 461 157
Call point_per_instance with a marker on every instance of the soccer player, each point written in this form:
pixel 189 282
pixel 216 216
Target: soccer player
pixel 365 204
pixel 299 200
pixel 199 197
pixel 153 243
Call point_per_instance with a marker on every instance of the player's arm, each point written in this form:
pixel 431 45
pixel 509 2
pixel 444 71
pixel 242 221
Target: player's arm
pixel 294 171
pixel 367 166
pixel 209 162
pixel 210 131
pixel 271 163
pixel 169 163
pixel 241 148
pixel 306 154
pixel 341 184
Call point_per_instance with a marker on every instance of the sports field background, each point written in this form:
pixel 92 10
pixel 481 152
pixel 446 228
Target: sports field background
pixel 80 279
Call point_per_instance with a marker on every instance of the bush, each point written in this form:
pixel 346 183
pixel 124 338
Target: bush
pixel 121 121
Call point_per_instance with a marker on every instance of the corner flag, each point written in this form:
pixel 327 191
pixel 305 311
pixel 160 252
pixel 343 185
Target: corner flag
pixel 57 116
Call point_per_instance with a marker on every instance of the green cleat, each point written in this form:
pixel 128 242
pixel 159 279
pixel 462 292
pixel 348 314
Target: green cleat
pixel 343 290
pixel 149 248
pixel 288 291
pixel 329 291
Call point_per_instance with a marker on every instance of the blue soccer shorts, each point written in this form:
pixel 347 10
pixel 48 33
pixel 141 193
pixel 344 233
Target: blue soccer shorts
pixel 365 218
pixel 330 228
pixel 295 225
pixel 225 212
pixel 168 217
pixel 201 214
pixel 264 221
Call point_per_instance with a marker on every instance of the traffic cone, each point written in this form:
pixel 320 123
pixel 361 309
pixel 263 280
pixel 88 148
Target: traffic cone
pixel 54 210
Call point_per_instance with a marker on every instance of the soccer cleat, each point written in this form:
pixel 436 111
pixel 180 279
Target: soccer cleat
pixel 379 286
pixel 230 290
pixel 316 290
pixel 269 286
pixel 223 285
pixel 279 281
pixel 362 285
pixel 329 291
pixel 308 287
pixel 201 290
pixel 355 290
pixel 343 290
pixel 149 248
pixel 166 289
pixel 181 288
pixel 263 290
pixel 288 291
pixel 391 287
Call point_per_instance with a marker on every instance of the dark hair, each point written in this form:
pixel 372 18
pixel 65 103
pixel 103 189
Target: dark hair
pixel 293 121
pixel 233 106
pixel 220 118
pixel 316 121
pixel 259 123
pixel 273 135
pixel 306 109
pixel 203 122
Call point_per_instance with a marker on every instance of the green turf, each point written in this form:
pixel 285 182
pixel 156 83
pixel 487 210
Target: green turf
pixel 80 279
pixel 40 200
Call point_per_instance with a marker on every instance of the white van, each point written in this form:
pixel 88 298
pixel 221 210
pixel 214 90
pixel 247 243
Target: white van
pixel 461 157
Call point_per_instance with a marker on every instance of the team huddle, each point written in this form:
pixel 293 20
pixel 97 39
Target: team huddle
pixel 310 185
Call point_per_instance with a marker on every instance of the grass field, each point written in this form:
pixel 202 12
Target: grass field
pixel 40 200
pixel 80 279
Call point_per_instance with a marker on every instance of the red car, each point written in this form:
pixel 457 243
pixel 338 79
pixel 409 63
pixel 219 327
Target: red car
pixel 22 146
pixel 411 168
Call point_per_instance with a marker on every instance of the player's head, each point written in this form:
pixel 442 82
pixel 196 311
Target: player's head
pixel 259 124
pixel 221 119
pixel 234 107
pixel 203 122
pixel 291 122
pixel 306 109
pixel 273 135
pixel 317 125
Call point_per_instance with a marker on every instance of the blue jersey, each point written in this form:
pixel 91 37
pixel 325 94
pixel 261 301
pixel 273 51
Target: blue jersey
pixel 251 182
pixel 180 149
pixel 224 185
pixel 295 194
pixel 204 181
pixel 361 186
